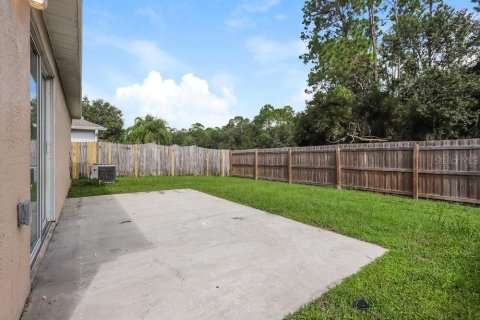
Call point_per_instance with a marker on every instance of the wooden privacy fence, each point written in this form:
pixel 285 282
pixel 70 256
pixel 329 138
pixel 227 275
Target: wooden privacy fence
pixel 445 170
pixel 149 159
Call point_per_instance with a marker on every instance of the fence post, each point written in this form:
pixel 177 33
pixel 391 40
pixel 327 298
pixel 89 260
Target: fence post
pixel 339 168
pixel 289 165
pixel 91 155
pixel 207 162
pixel 415 158
pixel 75 160
pixel 222 162
pixel 172 161
pixel 135 160
pixel 97 151
pixel 230 160
pixel 256 164
pixel 110 153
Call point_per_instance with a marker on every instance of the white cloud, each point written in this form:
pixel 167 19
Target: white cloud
pixel 147 54
pixel 259 6
pixel 280 17
pixel 240 22
pixel 222 80
pixel 149 12
pixel 151 56
pixel 180 105
pixel 270 52
pixel 243 15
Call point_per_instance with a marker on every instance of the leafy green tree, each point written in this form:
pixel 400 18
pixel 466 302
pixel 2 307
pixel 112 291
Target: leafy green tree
pixel 182 137
pixel 413 75
pixel 148 130
pixel 238 134
pixel 327 117
pixel 443 104
pixel 274 127
pixel 430 34
pixel 105 114
pixel 199 135
pixel 477 7
pixel 380 114
pixel 439 47
pixel 341 37
pixel 213 138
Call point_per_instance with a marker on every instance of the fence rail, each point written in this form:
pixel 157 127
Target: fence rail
pixel 149 159
pixel 445 170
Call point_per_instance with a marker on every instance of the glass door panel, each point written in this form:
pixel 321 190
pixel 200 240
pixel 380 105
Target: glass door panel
pixel 40 103
pixel 43 154
pixel 34 104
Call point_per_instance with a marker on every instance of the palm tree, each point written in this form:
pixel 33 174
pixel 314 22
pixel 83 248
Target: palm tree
pixel 148 130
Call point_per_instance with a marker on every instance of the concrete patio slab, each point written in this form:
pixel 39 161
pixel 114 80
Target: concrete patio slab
pixel 183 254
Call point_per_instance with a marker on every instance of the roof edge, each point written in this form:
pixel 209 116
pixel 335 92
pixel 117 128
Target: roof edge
pixel 89 128
pixel 64 22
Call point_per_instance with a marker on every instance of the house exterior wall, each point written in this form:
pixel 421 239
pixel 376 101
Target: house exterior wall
pixel 63 122
pixel 14 155
pixel 15 17
pixel 83 135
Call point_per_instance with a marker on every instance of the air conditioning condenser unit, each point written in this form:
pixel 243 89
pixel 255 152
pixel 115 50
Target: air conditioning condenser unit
pixel 103 172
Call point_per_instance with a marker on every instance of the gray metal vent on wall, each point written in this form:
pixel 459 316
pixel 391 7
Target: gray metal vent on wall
pixel 103 172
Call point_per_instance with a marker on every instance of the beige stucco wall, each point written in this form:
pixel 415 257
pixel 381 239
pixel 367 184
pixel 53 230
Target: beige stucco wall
pixel 62 150
pixel 15 150
pixel 14 154
pixel 63 123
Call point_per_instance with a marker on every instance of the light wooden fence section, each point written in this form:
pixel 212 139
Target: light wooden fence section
pixel 149 159
pixel 446 170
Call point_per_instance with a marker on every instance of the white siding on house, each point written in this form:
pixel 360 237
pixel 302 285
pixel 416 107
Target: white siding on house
pixel 83 135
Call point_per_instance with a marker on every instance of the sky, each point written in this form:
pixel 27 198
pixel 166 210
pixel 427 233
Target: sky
pixel 189 61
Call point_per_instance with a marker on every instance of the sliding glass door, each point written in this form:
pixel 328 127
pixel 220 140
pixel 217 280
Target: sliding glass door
pixel 38 150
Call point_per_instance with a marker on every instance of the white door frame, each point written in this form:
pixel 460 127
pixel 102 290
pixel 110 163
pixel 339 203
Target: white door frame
pixel 46 142
pixel 50 149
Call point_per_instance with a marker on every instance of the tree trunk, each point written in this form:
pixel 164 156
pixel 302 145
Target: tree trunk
pixel 399 59
pixel 429 45
pixel 373 35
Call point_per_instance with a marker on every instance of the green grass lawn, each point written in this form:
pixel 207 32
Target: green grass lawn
pixel 432 269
